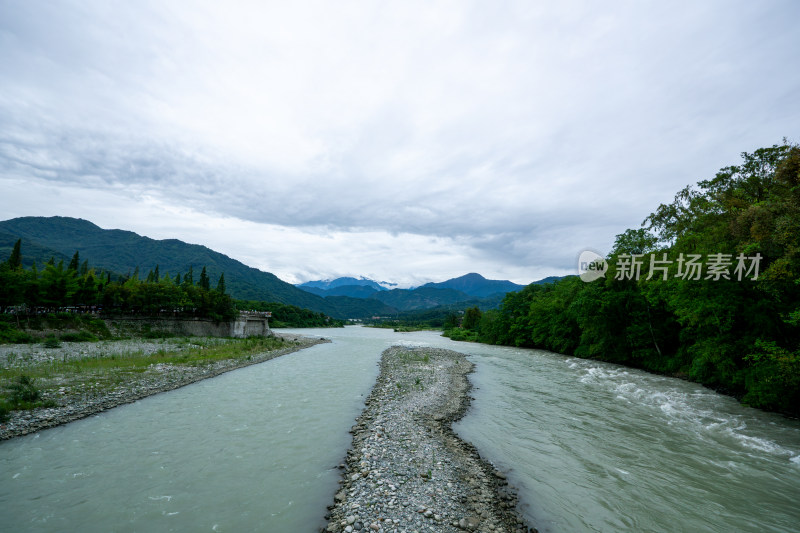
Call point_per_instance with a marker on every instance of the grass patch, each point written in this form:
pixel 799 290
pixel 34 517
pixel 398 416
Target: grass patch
pixel 75 328
pixel 81 336
pixel 409 357
pixel 22 393
pixel 9 334
pixel 94 374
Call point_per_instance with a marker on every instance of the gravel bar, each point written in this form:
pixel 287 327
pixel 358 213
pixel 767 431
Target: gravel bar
pixel 407 471
pixel 158 378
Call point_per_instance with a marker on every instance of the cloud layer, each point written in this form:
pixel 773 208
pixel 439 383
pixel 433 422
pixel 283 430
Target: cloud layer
pixel 459 136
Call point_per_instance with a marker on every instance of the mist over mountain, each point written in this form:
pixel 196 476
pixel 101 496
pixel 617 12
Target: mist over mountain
pixel 347 282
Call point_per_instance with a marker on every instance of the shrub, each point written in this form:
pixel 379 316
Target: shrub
pixel 51 342
pixel 81 336
pixel 459 334
pixel 24 390
pixel 11 335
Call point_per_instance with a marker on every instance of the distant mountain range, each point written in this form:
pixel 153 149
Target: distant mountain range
pixel 476 285
pixel 471 288
pixel 124 251
pixel 352 287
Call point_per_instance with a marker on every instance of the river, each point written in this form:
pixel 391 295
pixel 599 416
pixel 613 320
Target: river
pixel 591 447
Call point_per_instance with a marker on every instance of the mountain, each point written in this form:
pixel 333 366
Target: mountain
pixel 420 298
pixel 123 251
pixel 346 286
pixel 32 252
pixel 359 308
pixel 472 289
pixel 329 284
pixel 476 285
pixel 353 291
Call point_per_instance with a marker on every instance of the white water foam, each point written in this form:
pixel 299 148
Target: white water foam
pixel 679 406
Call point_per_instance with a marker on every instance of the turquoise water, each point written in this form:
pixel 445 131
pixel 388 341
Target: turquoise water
pixel 591 446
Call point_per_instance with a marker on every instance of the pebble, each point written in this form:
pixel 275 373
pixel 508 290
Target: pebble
pixel 79 402
pixel 409 471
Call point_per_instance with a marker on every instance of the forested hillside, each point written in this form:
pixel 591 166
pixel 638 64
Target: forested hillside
pixel 708 288
pixel 124 252
pixel 78 285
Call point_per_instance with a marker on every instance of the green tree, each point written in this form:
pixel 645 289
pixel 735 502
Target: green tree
pixel 75 262
pixel 15 261
pixel 451 321
pixel 32 287
pixel 12 279
pixel 188 278
pixel 57 285
pixel 472 318
pixel 737 334
pixel 204 283
pixel 634 241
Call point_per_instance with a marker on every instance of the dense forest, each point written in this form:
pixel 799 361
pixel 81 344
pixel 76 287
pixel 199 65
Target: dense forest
pixel 708 289
pixel 78 287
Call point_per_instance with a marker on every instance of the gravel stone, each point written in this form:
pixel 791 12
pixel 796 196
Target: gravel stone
pixel 75 404
pixel 406 469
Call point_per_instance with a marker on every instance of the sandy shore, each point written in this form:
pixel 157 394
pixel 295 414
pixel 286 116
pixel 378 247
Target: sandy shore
pixel 407 471
pixel 159 378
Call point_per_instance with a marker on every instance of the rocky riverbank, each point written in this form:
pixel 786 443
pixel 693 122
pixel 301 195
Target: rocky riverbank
pixel 407 471
pixel 75 404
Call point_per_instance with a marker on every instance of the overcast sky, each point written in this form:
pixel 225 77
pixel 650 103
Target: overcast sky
pixel 404 141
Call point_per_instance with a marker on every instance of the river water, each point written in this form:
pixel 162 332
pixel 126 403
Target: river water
pixel 591 447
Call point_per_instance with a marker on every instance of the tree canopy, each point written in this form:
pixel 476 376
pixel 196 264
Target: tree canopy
pixel 57 287
pixel 708 288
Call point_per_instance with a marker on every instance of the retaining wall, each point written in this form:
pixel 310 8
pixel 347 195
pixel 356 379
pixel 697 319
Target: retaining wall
pixel 244 326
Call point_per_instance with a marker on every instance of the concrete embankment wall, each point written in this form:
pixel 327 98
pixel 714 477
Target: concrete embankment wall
pixel 241 327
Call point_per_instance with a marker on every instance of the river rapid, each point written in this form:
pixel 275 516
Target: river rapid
pixel 590 446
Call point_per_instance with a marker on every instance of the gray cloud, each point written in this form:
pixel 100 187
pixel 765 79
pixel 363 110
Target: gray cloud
pixel 521 132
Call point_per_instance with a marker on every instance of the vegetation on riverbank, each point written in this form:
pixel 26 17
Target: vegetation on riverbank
pixel 32 300
pixel 399 327
pixel 464 328
pixel 735 326
pixel 78 286
pixel 28 382
pixel 62 327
